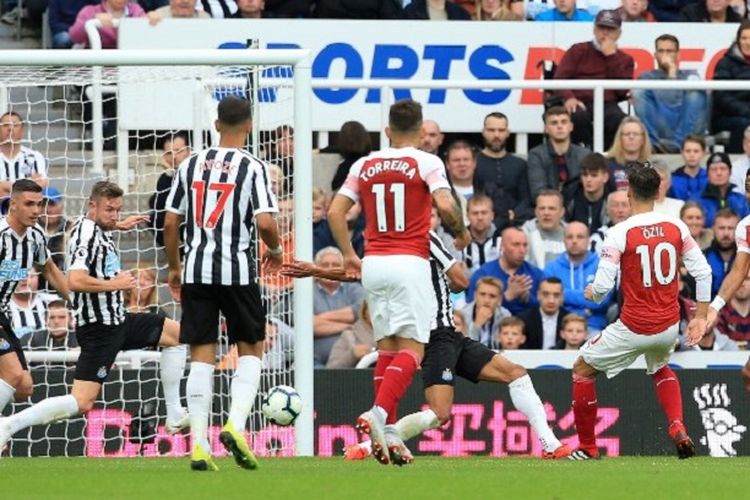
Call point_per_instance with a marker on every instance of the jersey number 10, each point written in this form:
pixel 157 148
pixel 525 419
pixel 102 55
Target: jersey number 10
pixel 224 189
pixel 398 206
pixel 649 262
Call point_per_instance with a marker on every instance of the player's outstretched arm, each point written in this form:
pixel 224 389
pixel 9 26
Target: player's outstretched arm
pixel 303 269
pixel 450 213
pixel 130 222
pixel 269 233
pixel 80 281
pixel 337 223
pixel 56 278
pixel 172 248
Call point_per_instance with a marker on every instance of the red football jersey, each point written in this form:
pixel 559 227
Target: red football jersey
pixel 648 247
pixel 395 188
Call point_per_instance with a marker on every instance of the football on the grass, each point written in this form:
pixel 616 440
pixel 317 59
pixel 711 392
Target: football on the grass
pixel 282 405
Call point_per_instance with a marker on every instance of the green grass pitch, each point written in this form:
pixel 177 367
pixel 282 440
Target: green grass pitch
pixel 642 478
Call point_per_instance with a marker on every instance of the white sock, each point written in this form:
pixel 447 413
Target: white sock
pixel 527 401
pixel 44 412
pixel 200 393
pixel 380 412
pixel 415 424
pixel 171 369
pixel 6 394
pixel 244 388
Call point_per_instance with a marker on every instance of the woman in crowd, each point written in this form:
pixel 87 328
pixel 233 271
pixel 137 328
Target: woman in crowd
pixel 499 10
pixel 631 144
pixel 694 217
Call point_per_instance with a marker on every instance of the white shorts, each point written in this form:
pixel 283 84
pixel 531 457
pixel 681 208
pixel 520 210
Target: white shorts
pixel 399 293
pixel 617 347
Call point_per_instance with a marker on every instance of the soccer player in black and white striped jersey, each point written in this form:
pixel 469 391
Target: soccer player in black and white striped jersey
pixel 449 354
pixel 23 246
pixel 103 327
pixel 218 192
pixel 18 161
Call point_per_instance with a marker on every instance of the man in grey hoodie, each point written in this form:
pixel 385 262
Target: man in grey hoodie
pixel 546 231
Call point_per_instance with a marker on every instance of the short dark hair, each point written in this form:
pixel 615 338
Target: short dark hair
pixel 593 162
pixel 696 139
pixel 12 113
pixel 556 111
pixel 460 144
pixel 512 321
pixel 551 193
pixel 744 25
pixel 354 140
pixel 106 189
pixel 234 110
pixel 57 303
pixel 178 134
pixel 666 37
pixel 25 186
pixel 405 116
pixel 643 179
pixel 552 280
pixel 495 114
pixel 726 213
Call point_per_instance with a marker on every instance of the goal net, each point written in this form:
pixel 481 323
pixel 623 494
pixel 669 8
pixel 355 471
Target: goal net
pixel 132 124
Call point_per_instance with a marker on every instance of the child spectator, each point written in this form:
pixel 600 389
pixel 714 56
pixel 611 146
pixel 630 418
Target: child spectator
pixel 484 314
pixel 573 333
pixel 512 334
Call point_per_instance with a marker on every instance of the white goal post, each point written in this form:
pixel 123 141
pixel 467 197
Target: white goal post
pixel 299 61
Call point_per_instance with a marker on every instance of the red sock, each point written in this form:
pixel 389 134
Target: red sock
pixel 384 359
pixel 584 411
pixel 668 393
pixel 396 380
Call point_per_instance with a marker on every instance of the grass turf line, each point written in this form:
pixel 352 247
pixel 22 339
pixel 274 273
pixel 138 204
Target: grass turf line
pixel 332 478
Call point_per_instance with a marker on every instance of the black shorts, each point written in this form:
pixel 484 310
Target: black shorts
pixel 450 354
pixel 101 343
pixel 240 304
pixel 9 343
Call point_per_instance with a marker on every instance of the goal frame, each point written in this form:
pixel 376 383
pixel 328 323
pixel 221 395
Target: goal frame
pixel 300 61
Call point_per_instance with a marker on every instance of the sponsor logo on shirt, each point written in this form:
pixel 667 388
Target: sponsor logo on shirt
pixel 11 270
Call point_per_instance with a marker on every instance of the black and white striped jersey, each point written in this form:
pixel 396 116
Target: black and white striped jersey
pixel 440 261
pixel 18 255
pixel 27 162
pixel 219 191
pixel 30 319
pixel 478 254
pixel 219 8
pixel 91 249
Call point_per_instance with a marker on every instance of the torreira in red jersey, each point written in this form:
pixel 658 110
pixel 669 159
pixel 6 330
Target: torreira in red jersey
pixel 645 251
pixel 395 187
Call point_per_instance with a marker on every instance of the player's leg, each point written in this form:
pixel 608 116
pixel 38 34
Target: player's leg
pixel 171 366
pixel 11 375
pixel 499 369
pixel 585 409
pixel 200 329
pixel 657 350
pixel 246 326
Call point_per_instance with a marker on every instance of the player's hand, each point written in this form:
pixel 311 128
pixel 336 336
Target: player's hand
pixel 352 266
pixel 124 281
pixel 298 269
pixel 463 240
pixel 271 263
pixel 131 221
pixel 746 375
pixel 572 105
pixel 484 314
pixel 711 318
pixel 696 329
pixel 588 293
pixel 174 280
pixel 153 17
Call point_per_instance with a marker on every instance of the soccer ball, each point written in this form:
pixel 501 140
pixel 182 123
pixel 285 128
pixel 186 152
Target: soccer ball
pixel 282 405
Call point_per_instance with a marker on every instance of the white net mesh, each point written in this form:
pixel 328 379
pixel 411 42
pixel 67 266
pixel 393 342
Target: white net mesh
pixel 147 114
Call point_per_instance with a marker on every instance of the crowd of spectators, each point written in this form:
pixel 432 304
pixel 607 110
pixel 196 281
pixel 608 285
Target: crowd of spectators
pixel 537 222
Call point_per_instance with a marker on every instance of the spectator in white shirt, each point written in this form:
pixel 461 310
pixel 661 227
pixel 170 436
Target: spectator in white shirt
pixel 664 204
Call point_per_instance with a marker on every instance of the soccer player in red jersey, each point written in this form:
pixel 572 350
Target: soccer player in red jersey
pixel 396 187
pixel 645 250
pixel 735 277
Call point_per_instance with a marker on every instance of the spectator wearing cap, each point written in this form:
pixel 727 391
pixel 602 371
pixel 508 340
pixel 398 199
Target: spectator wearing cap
pixel 709 11
pixel 16 160
pixel 54 223
pixel 670 115
pixel 718 192
pixel 565 10
pixel 599 59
